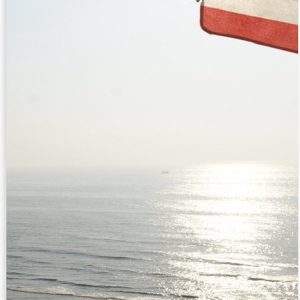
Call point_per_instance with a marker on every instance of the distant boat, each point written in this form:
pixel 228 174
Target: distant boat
pixel 164 172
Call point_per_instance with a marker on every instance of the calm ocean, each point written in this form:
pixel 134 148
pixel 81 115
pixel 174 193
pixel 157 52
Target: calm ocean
pixel 226 231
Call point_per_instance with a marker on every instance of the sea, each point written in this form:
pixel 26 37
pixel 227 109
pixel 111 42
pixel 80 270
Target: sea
pixel 211 231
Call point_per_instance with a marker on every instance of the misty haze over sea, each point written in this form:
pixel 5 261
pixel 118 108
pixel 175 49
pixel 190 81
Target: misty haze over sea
pixel 102 83
pixel 224 231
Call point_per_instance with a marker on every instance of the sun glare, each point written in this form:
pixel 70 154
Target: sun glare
pixel 233 194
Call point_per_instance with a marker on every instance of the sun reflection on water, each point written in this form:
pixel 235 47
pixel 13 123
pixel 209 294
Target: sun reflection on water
pixel 235 216
pixel 231 195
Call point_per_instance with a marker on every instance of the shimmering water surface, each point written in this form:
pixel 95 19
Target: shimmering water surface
pixel 226 231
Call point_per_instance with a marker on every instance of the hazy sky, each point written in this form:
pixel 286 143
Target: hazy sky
pixel 131 82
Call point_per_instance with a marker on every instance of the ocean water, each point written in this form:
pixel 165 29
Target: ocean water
pixel 220 231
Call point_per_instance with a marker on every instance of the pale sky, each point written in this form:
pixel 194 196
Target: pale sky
pixel 134 83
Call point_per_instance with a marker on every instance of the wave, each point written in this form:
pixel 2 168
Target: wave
pixel 289 279
pixel 132 257
pixel 120 289
pixel 14 256
pixel 28 260
pixel 266 279
pixel 272 280
pixel 117 288
pixel 61 291
pixel 88 254
pixel 201 259
pixel 20 273
pixel 185 296
pixel 230 263
pixel 242 264
pixel 77 284
pixel 195 258
pixel 141 293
